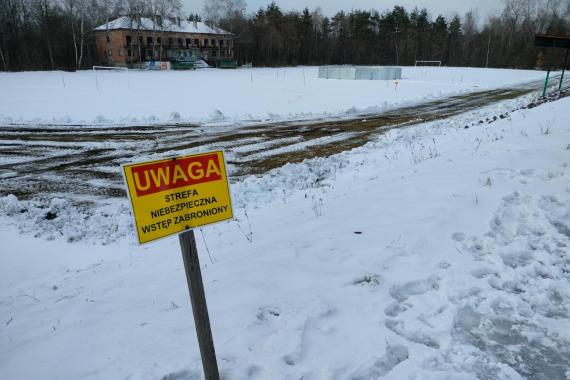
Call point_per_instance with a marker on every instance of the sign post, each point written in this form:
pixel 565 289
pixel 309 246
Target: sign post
pixel 199 307
pixel 172 196
pixel 546 83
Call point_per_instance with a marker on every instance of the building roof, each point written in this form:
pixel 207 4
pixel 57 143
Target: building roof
pixel 542 40
pixel 126 22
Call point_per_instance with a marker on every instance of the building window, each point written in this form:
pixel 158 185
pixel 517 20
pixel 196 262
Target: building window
pixel 188 42
pixel 149 53
pixel 196 42
pixel 108 39
pixel 170 41
pixel 180 43
pixel 128 40
pixel 206 42
pixel 221 42
pixel 213 42
pixel 159 40
pixel 149 40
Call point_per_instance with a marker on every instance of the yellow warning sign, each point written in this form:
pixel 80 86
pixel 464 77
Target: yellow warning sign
pixel 172 195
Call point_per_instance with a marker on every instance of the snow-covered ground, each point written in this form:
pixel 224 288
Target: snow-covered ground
pixel 434 252
pixel 104 97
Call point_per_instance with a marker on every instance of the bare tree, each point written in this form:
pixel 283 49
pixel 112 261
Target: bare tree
pixel 108 9
pixel 135 9
pixel 163 12
pixel 216 10
pixel 233 8
pixel 76 14
pixel 213 11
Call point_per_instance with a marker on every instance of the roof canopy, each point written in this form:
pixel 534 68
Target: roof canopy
pixel 542 40
pixel 148 24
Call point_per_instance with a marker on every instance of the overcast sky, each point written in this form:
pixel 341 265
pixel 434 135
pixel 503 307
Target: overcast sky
pixel 330 7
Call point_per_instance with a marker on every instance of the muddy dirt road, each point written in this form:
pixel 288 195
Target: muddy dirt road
pixel 82 163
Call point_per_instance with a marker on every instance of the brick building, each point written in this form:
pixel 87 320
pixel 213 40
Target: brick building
pixel 127 40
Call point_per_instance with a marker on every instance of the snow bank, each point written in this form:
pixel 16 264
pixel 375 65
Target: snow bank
pixel 106 97
pixel 438 251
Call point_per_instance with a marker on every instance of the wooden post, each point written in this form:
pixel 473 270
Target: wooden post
pixel 199 307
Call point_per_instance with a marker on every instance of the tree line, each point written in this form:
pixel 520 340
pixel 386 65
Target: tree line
pixel 272 37
pixel 58 34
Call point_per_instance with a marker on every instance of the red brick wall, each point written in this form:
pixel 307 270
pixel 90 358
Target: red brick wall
pixel 119 49
pixel 116 44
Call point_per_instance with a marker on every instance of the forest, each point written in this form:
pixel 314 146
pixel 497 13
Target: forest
pixel 57 34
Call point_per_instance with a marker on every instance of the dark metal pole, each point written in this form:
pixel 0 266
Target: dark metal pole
pixel 199 307
pixel 563 69
pixel 546 82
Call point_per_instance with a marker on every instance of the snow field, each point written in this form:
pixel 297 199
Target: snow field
pixel 212 95
pixel 434 252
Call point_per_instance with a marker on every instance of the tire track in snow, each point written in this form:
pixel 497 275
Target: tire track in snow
pixel 69 160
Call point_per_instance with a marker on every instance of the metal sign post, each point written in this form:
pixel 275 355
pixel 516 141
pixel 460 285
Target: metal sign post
pixel 562 42
pixel 546 83
pixel 199 307
pixel 563 69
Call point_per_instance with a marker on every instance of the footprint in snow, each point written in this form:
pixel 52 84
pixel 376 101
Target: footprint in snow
pixel 413 288
pixel 267 313
pixel 371 279
pixel 458 236
pixel 182 375
pixel 416 336
pixel 396 308
pixel 395 354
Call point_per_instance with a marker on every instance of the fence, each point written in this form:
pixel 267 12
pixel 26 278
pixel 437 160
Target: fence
pixel 360 72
